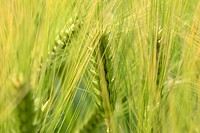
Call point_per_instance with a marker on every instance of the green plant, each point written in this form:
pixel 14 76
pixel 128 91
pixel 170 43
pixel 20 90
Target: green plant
pixel 104 66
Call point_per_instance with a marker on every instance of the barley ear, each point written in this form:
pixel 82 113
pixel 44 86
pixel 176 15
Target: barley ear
pixel 101 69
pixel 62 44
pixel 27 108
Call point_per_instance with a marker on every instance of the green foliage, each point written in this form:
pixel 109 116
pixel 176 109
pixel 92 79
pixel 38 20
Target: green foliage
pixel 99 66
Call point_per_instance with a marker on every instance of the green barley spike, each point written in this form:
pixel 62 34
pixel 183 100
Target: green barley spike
pixel 62 43
pixel 107 56
pixel 61 47
pixel 27 108
pixel 102 76
pixel 27 113
pixel 63 40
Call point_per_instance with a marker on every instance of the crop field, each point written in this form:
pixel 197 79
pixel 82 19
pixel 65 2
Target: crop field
pixel 99 66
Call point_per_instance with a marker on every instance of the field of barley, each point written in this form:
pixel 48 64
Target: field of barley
pixel 99 66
